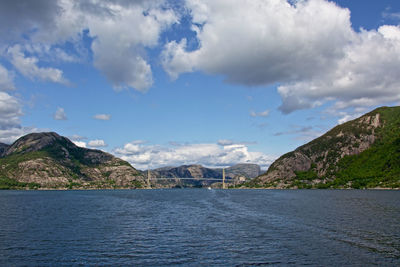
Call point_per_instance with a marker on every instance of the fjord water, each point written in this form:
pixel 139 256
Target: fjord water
pixel 200 227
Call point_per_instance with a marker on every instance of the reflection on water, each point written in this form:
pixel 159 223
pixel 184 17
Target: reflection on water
pixel 200 227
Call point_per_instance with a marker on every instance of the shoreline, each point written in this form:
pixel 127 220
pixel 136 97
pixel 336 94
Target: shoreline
pixel 204 188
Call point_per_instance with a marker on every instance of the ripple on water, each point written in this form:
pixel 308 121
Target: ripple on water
pixel 200 227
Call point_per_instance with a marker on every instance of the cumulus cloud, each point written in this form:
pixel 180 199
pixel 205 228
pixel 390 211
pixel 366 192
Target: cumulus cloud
pixel 25 15
pixel 78 140
pixel 210 155
pixel 10 111
pixel 6 79
pixel 121 37
pixel 307 47
pixel 60 114
pixel 102 117
pixel 97 143
pixel 367 75
pixel 121 32
pixel 28 67
pixel 10 134
pixel 264 113
pixel 79 143
pixel 262 42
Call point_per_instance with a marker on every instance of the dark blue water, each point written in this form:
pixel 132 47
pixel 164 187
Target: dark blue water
pixel 198 227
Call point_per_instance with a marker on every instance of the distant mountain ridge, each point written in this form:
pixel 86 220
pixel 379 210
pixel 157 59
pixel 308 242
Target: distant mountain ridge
pixel 362 153
pixel 192 171
pixel 52 161
pixel 234 174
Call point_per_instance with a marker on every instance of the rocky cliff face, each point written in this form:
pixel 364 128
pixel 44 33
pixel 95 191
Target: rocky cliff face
pixel 325 159
pixel 53 161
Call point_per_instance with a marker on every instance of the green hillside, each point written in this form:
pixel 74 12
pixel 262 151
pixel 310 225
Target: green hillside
pixel 363 153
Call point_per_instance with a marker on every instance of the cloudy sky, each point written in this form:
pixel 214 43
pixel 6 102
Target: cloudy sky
pixel 210 82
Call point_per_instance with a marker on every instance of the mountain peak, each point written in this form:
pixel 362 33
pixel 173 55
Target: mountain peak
pixel 35 142
pixel 53 161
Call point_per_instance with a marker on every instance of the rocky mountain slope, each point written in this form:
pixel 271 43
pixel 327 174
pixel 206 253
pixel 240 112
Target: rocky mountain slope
pixel 363 153
pixel 48 160
pixel 236 173
pixel 244 169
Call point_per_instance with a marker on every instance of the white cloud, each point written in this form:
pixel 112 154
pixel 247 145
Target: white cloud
pixel 77 140
pixel 6 79
pixel 97 143
pixel 102 117
pixel 258 42
pixel 10 111
pixel 28 67
pixel 79 143
pixel 307 47
pixel 25 15
pixel 210 155
pixel 121 32
pixel 366 76
pixel 120 39
pixel 264 113
pixel 10 134
pixel 60 114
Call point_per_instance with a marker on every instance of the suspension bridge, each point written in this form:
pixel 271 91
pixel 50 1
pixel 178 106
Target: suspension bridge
pixel 149 178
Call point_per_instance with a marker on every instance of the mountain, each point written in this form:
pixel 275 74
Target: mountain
pixel 244 169
pixel 3 147
pixel 362 153
pixel 197 171
pixel 189 171
pixel 185 171
pixel 49 160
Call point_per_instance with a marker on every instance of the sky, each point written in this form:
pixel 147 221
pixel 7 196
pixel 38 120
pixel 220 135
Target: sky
pixel 212 82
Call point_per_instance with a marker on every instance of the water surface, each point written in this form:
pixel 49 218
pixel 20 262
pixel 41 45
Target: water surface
pixel 198 227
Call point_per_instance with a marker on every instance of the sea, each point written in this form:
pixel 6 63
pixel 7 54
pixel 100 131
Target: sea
pixel 200 227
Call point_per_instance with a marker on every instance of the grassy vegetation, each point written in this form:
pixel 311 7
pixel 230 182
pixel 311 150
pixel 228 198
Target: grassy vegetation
pixel 72 185
pixel 306 175
pixel 378 166
pixel 7 183
pixel 11 162
pixel 137 184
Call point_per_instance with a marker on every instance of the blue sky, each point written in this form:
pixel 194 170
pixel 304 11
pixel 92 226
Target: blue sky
pixel 194 82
